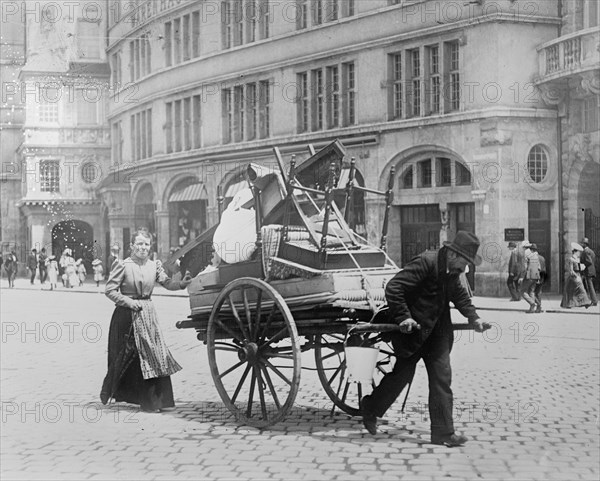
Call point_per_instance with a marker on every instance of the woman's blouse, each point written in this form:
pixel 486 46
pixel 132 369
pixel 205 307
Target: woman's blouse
pixel 129 280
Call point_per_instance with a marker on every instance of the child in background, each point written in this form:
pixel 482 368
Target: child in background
pixel 52 271
pixel 98 271
pixel 81 272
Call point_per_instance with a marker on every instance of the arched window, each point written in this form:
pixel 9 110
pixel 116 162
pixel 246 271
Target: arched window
pixel 90 172
pixel 537 164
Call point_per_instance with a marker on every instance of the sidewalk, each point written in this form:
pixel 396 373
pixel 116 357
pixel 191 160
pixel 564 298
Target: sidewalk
pixel 550 302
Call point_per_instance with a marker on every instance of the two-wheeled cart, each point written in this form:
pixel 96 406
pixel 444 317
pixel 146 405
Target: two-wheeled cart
pixel 311 280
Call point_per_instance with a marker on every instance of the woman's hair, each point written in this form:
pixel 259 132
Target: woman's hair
pixel 143 231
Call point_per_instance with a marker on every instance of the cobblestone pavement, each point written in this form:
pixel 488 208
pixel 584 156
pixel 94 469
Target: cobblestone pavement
pixel 526 393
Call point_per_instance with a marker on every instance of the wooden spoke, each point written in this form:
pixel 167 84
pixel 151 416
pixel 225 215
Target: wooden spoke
pixel 236 316
pixel 234 335
pixel 261 391
pixel 277 371
pixel 247 312
pixel 225 346
pixel 240 384
pixel 250 396
pixel 231 369
pixel 271 387
pixel 254 329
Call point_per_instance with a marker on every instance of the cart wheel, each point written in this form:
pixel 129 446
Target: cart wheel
pixel 254 352
pixel 331 366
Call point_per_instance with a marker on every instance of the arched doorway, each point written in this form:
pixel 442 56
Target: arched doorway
pixel 145 210
pixel 187 211
pixel 78 236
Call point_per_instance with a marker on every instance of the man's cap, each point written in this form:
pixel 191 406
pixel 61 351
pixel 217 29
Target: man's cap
pixel 115 247
pixel 512 244
pixel 585 241
pixel 533 247
pixel 466 245
pixel 526 244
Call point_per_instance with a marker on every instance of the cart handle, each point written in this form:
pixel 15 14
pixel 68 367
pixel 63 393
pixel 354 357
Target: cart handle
pixel 363 327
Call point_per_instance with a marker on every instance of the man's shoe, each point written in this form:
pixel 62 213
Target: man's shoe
pixel 531 309
pixel 450 440
pixel 538 309
pixel 369 419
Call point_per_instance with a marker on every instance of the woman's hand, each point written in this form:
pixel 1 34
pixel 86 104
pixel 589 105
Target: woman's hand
pixel 136 305
pixel 186 281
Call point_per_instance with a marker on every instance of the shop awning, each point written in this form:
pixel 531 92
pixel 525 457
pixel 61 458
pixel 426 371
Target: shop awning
pixel 189 193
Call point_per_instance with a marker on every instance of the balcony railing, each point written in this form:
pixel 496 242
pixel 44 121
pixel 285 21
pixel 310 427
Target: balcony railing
pixel 569 54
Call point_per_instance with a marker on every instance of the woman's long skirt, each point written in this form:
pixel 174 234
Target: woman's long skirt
pixel 574 294
pixel 124 380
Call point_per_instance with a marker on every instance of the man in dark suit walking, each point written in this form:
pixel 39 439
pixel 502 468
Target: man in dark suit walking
pixel 418 298
pixel 514 269
pixel 588 258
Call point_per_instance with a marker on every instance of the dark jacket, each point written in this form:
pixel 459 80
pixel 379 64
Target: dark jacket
pixel 422 291
pixel 32 262
pixel 543 271
pixel 588 258
pixel 515 263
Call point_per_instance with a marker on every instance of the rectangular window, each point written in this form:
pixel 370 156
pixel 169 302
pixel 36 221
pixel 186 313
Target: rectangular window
pixel 177 51
pixel 444 172
pixel 303 102
pixel 424 173
pixel 132 137
pixel 49 176
pixel 227 22
pixel 187 41
pixel 301 14
pixel 195 34
pixel 348 8
pixel 415 82
pixel 318 99
pixel 149 132
pixel 349 93
pixel 169 127
pixel 48 105
pixel 251 110
pixel 132 73
pixel 117 143
pixel 331 10
pixel 434 80
pixel 177 124
pixel 187 123
pixel 251 20
pixel 396 109
pixel 168 44
pixel 239 113
pixel 264 19
pixel 318 13
pixel 115 64
pixel 264 107
pixel 197 121
pixel 452 53
pixel 238 30
pixel 227 115
pixel 333 97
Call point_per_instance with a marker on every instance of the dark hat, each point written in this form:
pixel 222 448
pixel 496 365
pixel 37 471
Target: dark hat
pixel 533 247
pixel 512 244
pixel 466 245
pixel 585 241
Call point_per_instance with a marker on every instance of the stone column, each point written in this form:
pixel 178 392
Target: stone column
pixel 162 232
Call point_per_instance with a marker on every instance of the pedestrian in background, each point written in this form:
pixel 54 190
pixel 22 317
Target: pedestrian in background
pixel 81 271
pixel 70 277
pixel 588 259
pixel 11 265
pixel 42 265
pixel 514 271
pixel 418 297
pixel 32 264
pixel 530 275
pixel 98 271
pixel 575 294
pixel 140 364
pixel 52 270
pixel 540 283
pixel 62 264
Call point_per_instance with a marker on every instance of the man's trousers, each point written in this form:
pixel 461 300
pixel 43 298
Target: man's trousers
pixel 435 352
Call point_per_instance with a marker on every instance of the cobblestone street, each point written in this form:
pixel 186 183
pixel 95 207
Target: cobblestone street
pixel 526 394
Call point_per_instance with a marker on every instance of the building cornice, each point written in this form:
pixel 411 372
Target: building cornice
pixel 358 136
